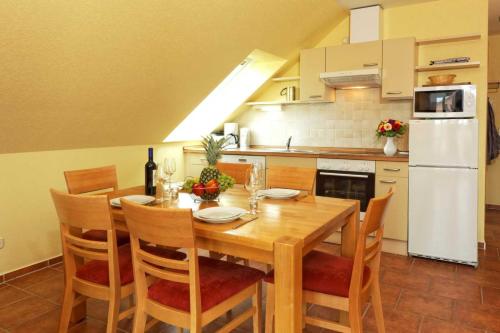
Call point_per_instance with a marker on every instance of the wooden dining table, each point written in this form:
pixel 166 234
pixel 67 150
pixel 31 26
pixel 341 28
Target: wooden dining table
pixel 283 232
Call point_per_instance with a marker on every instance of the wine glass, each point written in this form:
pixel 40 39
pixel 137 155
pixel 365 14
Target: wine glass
pixel 169 170
pixel 254 181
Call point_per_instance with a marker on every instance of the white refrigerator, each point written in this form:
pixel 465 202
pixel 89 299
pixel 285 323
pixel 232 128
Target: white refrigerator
pixel 443 189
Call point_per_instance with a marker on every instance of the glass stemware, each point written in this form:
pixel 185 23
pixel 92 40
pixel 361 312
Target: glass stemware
pixel 254 181
pixel 168 170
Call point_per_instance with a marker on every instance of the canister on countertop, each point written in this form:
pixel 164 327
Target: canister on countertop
pixel 244 137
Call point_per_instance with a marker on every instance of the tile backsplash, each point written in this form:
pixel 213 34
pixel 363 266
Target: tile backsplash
pixel 348 122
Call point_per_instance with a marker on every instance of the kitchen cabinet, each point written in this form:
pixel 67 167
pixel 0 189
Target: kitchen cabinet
pixel 398 68
pixel 354 56
pixel 395 175
pixel 194 163
pixel 312 62
pixel 244 159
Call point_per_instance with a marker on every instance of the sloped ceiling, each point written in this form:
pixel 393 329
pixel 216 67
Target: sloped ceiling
pixel 94 73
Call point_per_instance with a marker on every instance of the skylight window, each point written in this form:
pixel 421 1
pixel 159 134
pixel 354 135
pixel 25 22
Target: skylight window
pixel 235 89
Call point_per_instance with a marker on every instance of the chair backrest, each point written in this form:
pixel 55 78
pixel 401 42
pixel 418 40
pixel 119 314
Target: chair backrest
pixel 236 170
pixel 91 180
pixel 76 212
pixel 369 254
pixel 291 178
pixel 171 227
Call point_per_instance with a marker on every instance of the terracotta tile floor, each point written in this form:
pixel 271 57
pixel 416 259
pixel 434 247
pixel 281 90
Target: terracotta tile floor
pixel 418 296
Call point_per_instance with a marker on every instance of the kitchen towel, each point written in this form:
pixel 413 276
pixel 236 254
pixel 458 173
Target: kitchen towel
pixel 493 144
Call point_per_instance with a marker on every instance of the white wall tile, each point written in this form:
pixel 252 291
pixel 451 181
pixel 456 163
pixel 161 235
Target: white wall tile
pixel 349 122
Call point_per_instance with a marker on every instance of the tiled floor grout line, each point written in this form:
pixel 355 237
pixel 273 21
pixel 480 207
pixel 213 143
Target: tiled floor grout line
pixel 481 292
pixel 38 270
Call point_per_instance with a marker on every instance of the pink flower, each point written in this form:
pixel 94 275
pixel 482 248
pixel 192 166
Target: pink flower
pixel 388 127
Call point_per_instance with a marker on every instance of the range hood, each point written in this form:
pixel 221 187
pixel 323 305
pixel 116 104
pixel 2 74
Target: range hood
pixel 360 78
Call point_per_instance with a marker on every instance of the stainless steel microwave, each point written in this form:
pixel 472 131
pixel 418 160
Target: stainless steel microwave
pixel 445 102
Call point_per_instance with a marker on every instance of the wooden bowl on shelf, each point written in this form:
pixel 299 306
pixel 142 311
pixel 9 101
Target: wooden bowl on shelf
pixel 440 80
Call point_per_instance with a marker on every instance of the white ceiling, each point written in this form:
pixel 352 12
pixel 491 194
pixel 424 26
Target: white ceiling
pixel 350 4
pixel 494 14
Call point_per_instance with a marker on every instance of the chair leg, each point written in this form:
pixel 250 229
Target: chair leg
pixel 355 320
pixel 269 308
pixel 140 318
pixel 377 306
pixel 113 313
pixel 257 304
pixel 67 308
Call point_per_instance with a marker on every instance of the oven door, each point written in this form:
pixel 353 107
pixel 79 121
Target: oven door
pixel 346 185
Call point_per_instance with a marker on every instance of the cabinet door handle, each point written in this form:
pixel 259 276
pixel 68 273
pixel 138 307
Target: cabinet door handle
pixel 315 96
pixel 242 159
pixel 394 92
pixel 392 169
pixel 371 64
pixel 388 181
pixel 202 159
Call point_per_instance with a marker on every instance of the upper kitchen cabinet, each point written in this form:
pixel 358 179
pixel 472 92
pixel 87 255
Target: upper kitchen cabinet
pixel 312 62
pixel 398 68
pixel 354 56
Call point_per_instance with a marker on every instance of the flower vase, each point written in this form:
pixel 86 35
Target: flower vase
pixel 390 148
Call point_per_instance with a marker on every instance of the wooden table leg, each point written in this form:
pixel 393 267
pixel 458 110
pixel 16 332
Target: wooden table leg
pixel 350 233
pixel 288 284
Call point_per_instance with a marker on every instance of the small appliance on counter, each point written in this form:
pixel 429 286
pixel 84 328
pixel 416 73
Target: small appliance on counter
pixel 231 131
pixel 244 137
pixel 217 135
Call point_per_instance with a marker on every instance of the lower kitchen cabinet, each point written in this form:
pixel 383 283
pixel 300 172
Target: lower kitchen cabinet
pixel 194 163
pixel 396 214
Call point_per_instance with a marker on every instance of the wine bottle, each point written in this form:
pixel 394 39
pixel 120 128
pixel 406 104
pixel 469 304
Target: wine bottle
pixel 150 169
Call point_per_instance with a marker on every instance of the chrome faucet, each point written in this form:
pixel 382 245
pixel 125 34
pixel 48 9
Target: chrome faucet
pixel 288 143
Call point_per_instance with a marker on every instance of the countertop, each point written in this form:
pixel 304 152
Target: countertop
pixel 370 154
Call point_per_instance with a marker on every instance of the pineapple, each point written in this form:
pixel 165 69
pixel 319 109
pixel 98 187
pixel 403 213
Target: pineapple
pixel 213 150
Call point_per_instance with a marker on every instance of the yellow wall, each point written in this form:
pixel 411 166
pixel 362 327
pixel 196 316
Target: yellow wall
pixel 27 218
pixel 443 18
pixel 430 20
pixel 493 170
pixel 78 74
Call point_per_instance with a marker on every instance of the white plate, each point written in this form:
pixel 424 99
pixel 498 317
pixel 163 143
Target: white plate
pixel 140 199
pixel 279 193
pixel 219 214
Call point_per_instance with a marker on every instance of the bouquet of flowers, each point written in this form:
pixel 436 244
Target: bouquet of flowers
pixel 391 128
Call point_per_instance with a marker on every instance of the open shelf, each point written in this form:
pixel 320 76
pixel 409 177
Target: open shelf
pixel 285 78
pixel 448 39
pixel 284 102
pixel 462 65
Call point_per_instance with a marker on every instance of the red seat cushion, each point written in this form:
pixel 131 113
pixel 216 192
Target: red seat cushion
pixel 122 237
pixel 97 271
pixel 326 273
pixel 219 280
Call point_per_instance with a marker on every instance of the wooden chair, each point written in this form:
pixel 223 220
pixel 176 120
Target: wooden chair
pixel 341 283
pixel 95 180
pixel 239 172
pixel 236 170
pixel 291 177
pixel 109 274
pixel 187 294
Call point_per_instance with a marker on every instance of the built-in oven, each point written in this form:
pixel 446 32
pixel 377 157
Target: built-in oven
pixel 454 101
pixel 346 179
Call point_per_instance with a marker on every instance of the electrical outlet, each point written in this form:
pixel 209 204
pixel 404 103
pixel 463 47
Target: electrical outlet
pixel 2 243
